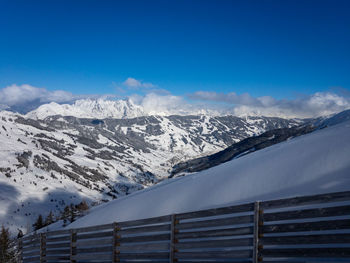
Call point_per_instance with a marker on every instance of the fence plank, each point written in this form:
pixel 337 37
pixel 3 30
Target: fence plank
pixel 306 200
pixel 215 254
pixel 216 233
pixel 145 229
pixel 152 255
pixel 307 239
pixel 95 235
pixel 147 261
pixel 307 252
pixel 93 242
pixel 30 238
pixel 217 211
pixel 203 260
pixel 99 257
pixel 159 237
pixel 94 249
pixel 31 253
pixel 144 247
pixel 65 251
pixel 30 242
pixel 308 226
pixel 63 257
pixel 31 247
pixel 215 243
pixel 95 228
pixel 216 222
pixel 58 233
pixel 308 213
pixel 289 260
pixel 57 245
pixel 58 239
pixel 31 259
pixel 147 221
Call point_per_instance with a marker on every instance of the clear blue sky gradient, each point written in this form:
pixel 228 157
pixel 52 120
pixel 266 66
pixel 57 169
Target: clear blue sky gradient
pixel 276 48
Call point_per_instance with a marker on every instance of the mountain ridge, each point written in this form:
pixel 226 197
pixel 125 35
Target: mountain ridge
pixel 106 108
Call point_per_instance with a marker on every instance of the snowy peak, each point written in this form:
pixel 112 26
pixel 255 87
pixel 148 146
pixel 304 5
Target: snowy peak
pixel 117 109
pixel 89 108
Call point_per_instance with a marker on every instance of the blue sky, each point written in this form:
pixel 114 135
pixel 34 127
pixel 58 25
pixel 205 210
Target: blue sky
pixel 282 49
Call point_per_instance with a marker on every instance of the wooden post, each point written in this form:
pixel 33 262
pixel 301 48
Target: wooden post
pixel 73 245
pixel 42 247
pixel 115 252
pixel 172 258
pixel 20 251
pixel 257 224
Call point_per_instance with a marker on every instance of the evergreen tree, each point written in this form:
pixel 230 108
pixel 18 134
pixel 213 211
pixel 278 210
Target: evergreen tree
pixel 65 215
pixel 5 242
pixel 39 223
pixel 82 207
pixel 73 213
pixel 49 219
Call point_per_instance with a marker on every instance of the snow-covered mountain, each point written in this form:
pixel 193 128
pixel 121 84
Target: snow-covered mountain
pixel 315 163
pixel 120 109
pixel 48 163
pixel 89 108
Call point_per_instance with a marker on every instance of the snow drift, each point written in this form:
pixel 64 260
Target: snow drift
pixel 315 163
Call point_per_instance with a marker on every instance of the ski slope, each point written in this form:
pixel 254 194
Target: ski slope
pixel 315 163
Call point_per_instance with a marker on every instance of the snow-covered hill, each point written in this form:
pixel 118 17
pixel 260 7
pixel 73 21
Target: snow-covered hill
pixel 46 164
pixel 315 163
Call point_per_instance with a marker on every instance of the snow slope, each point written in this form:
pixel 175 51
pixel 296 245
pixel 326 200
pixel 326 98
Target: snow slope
pixel 315 163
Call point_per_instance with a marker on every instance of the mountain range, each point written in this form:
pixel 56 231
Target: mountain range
pixel 101 150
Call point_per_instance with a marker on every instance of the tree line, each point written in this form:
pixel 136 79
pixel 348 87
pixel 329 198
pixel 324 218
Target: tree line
pixel 69 214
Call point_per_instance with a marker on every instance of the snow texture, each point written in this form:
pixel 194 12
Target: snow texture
pixel 311 164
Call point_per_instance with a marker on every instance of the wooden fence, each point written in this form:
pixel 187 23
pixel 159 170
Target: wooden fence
pixel 301 229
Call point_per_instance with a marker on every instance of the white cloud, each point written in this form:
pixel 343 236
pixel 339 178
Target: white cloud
pixel 24 98
pixel 19 94
pixel 167 104
pixel 134 84
pixel 232 97
pixel 318 104
pixel 153 103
